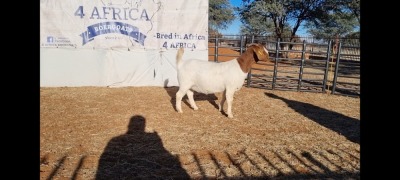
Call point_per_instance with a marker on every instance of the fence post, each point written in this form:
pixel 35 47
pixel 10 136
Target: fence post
pixel 216 49
pixel 328 54
pixel 336 67
pixel 249 78
pixel 301 65
pixel 312 47
pixel 276 63
pixel 241 44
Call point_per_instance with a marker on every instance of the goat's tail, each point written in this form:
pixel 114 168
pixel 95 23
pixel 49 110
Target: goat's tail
pixel 179 55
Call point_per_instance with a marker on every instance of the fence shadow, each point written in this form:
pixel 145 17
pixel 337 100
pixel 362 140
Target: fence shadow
pixel 149 160
pixel 78 168
pixel 141 155
pixel 344 125
pixel 138 155
pixel 281 164
pixel 59 164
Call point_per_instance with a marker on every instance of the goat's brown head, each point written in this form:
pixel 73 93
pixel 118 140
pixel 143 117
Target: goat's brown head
pixel 260 53
pixel 254 53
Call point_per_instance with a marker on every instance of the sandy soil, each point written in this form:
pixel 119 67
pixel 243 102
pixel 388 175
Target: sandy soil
pixel 135 133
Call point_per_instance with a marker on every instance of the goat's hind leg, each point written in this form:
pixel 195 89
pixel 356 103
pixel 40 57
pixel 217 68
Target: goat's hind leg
pixel 189 94
pixel 178 103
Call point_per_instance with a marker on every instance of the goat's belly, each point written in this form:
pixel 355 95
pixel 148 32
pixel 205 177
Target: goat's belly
pixel 208 89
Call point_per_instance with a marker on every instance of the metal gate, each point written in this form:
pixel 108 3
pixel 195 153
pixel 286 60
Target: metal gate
pixel 324 66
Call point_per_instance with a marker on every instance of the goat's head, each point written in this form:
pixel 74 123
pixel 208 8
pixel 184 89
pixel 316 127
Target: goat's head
pixel 254 53
pixel 260 53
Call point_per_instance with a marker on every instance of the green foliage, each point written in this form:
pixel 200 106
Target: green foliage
pixel 341 17
pixel 220 15
pixel 278 13
pixel 351 6
pixel 331 25
pixel 256 26
pixel 254 23
pixel 321 17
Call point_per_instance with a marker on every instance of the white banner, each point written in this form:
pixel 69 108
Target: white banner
pixel 144 24
pixel 119 43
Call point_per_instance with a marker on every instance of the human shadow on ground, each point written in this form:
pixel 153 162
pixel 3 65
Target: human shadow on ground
pixel 196 96
pixel 138 155
pixel 344 125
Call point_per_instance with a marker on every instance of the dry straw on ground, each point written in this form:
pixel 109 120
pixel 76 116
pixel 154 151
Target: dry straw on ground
pixel 100 132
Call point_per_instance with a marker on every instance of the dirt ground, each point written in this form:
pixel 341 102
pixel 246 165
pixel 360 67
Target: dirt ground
pixel 135 133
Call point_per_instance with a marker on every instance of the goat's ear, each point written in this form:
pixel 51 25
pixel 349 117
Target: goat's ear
pixel 258 49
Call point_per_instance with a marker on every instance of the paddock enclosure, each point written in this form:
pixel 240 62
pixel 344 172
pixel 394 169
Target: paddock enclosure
pixel 300 64
pixel 278 131
pixel 135 133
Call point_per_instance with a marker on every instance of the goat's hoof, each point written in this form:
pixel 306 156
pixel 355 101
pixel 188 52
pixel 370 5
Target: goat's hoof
pixel 196 108
pixel 180 111
pixel 230 116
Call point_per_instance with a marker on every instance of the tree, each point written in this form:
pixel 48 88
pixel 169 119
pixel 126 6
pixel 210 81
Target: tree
pixel 254 24
pixel 354 7
pixel 339 18
pixel 331 25
pixel 220 15
pixel 280 12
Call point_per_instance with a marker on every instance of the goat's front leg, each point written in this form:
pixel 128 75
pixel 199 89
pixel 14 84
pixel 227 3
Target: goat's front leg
pixel 190 93
pixel 229 100
pixel 221 104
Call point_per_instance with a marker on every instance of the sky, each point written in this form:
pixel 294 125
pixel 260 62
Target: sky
pixel 234 28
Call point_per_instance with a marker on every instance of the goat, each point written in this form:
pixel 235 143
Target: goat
pixel 210 77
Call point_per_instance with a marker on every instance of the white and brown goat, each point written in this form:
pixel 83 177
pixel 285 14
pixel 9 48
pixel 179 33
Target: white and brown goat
pixel 210 77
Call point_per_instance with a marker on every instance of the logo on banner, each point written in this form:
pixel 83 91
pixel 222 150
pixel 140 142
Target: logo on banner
pixel 112 27
pixel 50 39
pixel 114 16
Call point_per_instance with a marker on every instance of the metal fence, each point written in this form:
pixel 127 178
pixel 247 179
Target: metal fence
pixel 303 64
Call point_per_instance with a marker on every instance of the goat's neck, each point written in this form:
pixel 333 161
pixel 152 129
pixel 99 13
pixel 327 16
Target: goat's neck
pixel 245 61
